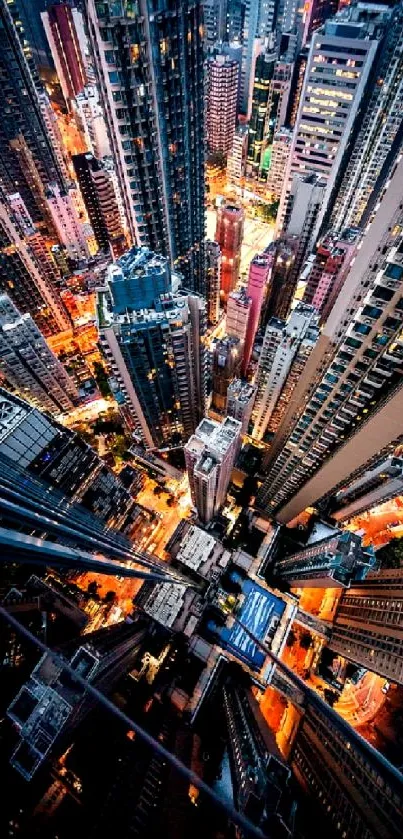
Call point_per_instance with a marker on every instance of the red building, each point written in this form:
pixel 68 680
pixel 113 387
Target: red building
pixel 229 235
pixel 62 24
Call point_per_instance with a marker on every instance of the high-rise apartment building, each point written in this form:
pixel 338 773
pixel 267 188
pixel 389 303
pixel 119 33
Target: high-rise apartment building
pixel 336 561
pixel 149 64
pixel 227 365
pixel 281 344
pixel 222 99
pixel 305 201
pixel 348 782
pixel 28 13
pixel 22 122
pixel 329 268
pixel 236 164
pixel 296 369
pixel 29 366
pixel 152 348
pixel 240 399
pixel 282 285
pixel 100 202
pixel 229 235
pixel 59 21
pixel 259 773
pixel 340 60
pixel 237 315
pixel 264 70
pixel 50 705
pixel 258 280
pixel 70 230
pixel 28 274
pixel 91 121
pixel 376 484
pixel 350 391
pixel 210 455
pixel 213 281
pixel 378 138
pixel 368 624
pixel 315 15
pixel 279 158
pixel 59 458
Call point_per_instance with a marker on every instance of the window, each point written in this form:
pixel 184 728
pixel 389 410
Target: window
pixel 394 271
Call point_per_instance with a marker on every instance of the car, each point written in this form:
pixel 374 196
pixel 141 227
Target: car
pixel 386 687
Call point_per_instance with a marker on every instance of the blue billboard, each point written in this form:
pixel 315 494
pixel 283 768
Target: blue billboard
pixel 261 613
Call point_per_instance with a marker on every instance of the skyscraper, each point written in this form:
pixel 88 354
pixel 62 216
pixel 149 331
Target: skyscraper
pixel 279 157
pixel 374 485
pixel 328 429
pixel 70 230
pixel 100 202
pixel 59 458
pixel 377 142
pixel 329 268
pixel 237 316
pixel 264 69
pixel 28 275
pixel 304 205
pixel 240 399
pixel 349 783
pixel 258 280
pixel 210 455
pixel 22 118
pixel 237 157
pixel 49 706
pixel 213 281
pixel 149 67
pixel 147 337
pixel 368 624
pixel 229 235
pixel 319 142
pixel 335 561
pixel 227 365
pixel 281 344
pixel 29 365
pixel 59 21
pixel 222 98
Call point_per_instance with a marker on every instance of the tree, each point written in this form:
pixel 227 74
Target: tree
pixel 330 696
pixel 306 641
pixel 391 555
pixel 110 597
pixel 101 379
pixel 92 588
pixel 291 639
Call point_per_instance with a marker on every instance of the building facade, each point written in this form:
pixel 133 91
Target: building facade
pixel 229 235
pixel 353 370
pixel 213 281
pixel 29 366
pixel 210 455
pixel 153 350
pixel 59 22
pixel 151 81
pixel 23 122
pixel 240 399
pixel 368 625
pixel 336 561
pixel 222 99
pixel 281 344
pixel 28 274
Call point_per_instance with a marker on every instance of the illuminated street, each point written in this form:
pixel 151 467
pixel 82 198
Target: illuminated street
pixel 381 524
pixel 360 703
pixel 170 515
